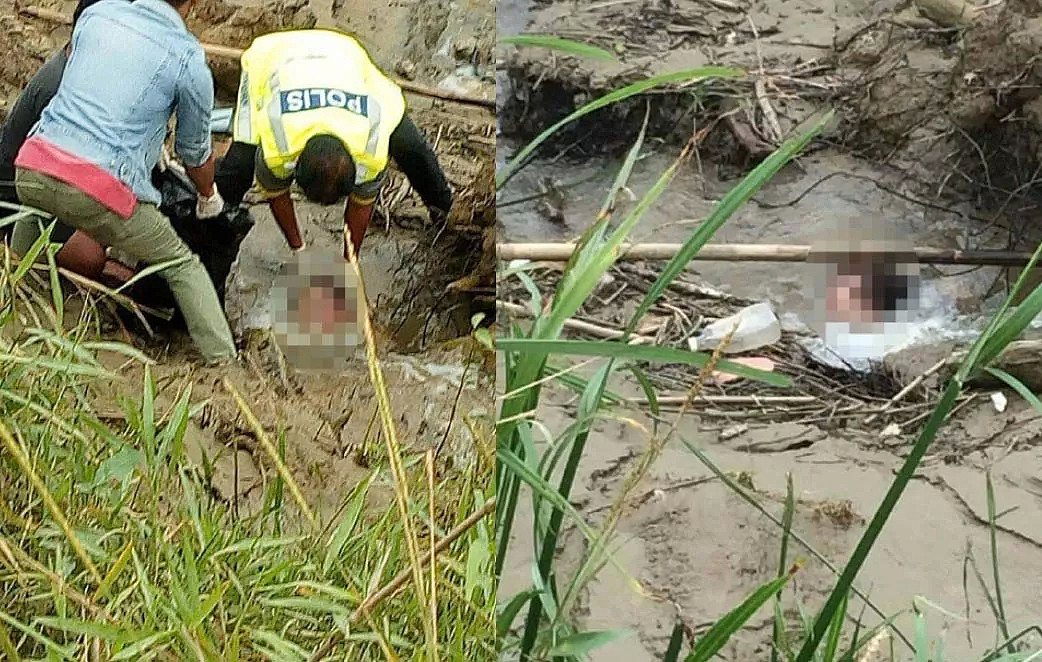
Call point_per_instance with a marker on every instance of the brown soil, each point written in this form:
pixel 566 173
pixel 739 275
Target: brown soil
pixel 332 436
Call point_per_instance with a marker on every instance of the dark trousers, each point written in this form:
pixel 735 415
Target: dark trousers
pixel 234 175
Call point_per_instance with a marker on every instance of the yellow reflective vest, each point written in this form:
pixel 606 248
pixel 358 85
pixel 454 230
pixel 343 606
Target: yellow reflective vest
pixel 302 83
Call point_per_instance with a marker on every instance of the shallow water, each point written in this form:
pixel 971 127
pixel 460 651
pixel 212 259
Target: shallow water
pixel 840 202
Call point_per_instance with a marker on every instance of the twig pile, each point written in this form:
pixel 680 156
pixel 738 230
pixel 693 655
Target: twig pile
pixel 821 395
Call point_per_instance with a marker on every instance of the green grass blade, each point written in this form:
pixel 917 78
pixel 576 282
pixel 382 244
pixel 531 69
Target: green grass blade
pixel 6 645
pixel 541 487
pixel 118 348
pixel 835 630
pixel 150 644
pixel 1003 328
pixel 14 218
pixel 1017 386
pixel 208 605
pixel 676 640
pixel 993 539
pixel 87 628
pixel 510 610
pixel 875 526
pixel 718 635
pixel 589 405
pixel 148 414
pixel 577 285
pixel 57 296
pixel 922 646
pixel 152 269
pixel 66 367
pixel 64 652
pixel 686 76
pixel 649 393
pixel 32 254
pixel 578 384
pixel 649 353
pixel 558 44
pixel 347 524
pixel 586 248
pixel 536 300
pixel 781 642
pixel 583 643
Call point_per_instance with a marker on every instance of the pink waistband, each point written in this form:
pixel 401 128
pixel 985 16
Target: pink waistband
pixel 39 155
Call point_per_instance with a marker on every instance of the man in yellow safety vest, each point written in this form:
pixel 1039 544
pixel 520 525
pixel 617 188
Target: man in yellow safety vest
pixel 313 108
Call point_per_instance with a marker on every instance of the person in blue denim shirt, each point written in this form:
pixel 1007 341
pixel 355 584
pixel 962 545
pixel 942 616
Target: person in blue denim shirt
pixel 136 63
pixel 89 159
pixel 79 252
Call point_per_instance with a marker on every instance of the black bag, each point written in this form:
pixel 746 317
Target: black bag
pixel 215 240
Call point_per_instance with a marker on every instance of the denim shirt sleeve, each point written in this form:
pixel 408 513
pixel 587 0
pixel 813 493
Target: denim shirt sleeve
pixel 193 142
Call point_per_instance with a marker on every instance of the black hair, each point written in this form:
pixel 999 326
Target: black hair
pixel 325 170
pixel 81 7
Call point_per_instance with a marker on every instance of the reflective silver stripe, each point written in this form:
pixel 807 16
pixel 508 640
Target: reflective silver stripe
pixel 244 117
pixel 361 173
pixel 374 126
pixel 275 115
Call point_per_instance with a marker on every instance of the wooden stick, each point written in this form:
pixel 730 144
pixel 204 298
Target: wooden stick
pixel 733 400
pixel 230 53
pixel 908 389
pixel 46 15
pixel 561 252
pixel 586 327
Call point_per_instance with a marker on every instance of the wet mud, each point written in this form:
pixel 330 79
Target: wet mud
pixel 935 141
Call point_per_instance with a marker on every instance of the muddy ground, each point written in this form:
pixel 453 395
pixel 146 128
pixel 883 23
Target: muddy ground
pixel 936 141
pixel 440 388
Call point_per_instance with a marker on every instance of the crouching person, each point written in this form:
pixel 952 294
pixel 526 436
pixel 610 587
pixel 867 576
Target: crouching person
pixel 79 252
pixel 88 160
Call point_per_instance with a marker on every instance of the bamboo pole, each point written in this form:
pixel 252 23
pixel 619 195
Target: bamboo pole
pixel 230 53
pixel 561 252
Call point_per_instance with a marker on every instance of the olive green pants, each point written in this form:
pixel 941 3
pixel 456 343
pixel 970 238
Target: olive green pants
pixel 27 231
pixel 148 237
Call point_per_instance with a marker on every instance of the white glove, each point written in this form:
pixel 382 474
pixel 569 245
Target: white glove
pixel 303 246
pixel 210 207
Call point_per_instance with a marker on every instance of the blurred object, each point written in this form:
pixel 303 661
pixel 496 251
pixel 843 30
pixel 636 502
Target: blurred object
pixel 753 327
pixel 867 289
pixel 316 306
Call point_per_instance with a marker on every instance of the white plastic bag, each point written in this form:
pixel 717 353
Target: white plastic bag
pixel 757 326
